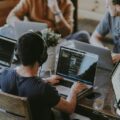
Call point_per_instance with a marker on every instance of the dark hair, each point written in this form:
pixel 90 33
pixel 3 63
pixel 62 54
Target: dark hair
pixel 116 2
pixel 30 48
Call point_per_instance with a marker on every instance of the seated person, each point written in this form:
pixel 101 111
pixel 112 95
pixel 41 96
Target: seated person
pixel 109 24
pixel 57 14
pixel 24 81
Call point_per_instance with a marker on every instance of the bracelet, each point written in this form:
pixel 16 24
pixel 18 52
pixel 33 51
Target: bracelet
pixel 58 13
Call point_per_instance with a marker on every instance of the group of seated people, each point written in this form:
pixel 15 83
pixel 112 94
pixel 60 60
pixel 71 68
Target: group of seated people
pixel 58 15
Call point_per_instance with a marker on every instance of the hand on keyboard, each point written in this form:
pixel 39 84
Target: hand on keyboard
pixel 66 83
pixel 54 79
pixel 78 87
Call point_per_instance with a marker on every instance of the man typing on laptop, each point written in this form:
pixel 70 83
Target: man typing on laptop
pixel 23 80
pixel 75 65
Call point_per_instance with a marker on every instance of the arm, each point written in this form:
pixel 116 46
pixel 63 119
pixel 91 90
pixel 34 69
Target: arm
pixel 115 58
pixel 69 104
pixel 101 31
pixel 18 12
pixel 63 21
pixel 66 105
pixel 54 79
pixel 96 39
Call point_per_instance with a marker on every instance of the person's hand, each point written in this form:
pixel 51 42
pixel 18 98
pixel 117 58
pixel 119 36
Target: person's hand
pixel 48 22
pixel 54 79
pixel 77 87
pixel 116 58
pixel 53 5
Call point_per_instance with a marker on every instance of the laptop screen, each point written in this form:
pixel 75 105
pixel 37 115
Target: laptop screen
pixel 116 81
pixel 105 59
pixel 77 65
pixel 6 50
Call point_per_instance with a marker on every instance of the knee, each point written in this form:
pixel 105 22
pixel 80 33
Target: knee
pixel 83 36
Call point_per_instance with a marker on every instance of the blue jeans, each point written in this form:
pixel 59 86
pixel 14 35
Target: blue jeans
pixel 82 36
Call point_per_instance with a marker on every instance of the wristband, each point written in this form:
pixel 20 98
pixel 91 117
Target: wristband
pixel 57 13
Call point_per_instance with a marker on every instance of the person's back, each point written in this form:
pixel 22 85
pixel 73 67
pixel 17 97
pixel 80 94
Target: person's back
pixel 41 96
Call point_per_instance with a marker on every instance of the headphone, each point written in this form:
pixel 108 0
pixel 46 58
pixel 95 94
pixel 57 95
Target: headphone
pixel 42 57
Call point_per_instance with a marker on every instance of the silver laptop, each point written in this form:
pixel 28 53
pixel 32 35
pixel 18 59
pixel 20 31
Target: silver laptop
pixel 75 65
pixel 116 82
pixel 22 27
pixel 7 47
pixel 105 58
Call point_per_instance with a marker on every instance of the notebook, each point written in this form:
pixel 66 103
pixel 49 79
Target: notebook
pixel 7 47
pixel 116 82
pixel 23 27
pixel 75 65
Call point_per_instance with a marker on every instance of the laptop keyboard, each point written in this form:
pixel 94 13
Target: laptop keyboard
pixel 81 92
pixel 66 83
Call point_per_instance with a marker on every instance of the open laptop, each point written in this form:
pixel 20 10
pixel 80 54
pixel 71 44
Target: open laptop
pixel 116 82
pixel 105 58
pixel 75 65
pixel 22 27
pixel 7 47
pixel 105 64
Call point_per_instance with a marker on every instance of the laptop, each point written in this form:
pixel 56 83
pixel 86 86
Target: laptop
pixel 7 47
pixel 75 65
pixel 116 82
pixel 23 27
pixel 105 58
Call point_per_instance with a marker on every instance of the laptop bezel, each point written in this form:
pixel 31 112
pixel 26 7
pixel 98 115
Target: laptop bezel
pixel 8 64
pixel 76 50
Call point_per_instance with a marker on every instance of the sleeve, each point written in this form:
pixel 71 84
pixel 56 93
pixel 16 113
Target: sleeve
pixel 68 12
pixel 104 26
pixel 51 96
pixel 21 9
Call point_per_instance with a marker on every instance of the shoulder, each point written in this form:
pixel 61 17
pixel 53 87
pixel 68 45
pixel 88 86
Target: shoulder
pixel 106 18
pixel 107 15
pixel 39 85
pixel 43 88
pixel 7 72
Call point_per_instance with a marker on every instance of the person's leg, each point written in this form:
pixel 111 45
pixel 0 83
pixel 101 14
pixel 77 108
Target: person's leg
pixel 82 36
